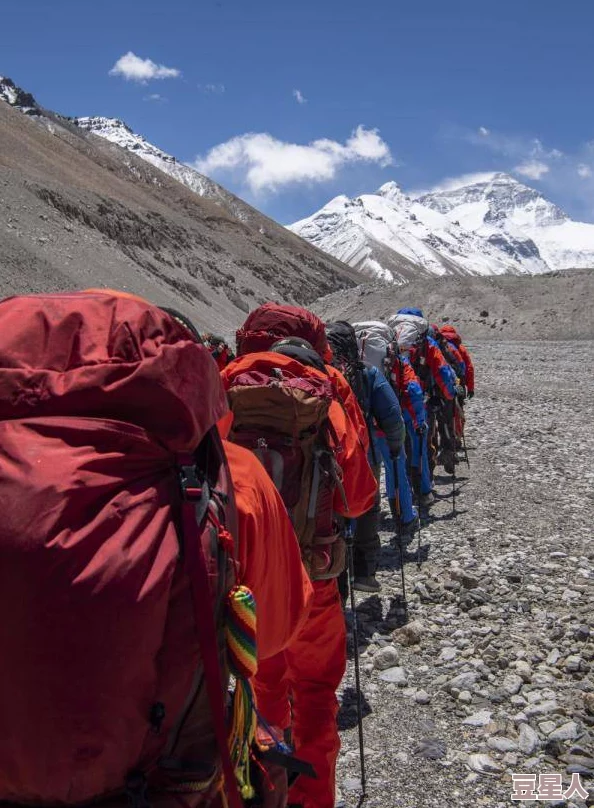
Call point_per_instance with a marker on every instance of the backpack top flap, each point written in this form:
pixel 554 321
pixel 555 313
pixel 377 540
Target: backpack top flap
pixel 274 321
pixel 292 407
pixel 98 355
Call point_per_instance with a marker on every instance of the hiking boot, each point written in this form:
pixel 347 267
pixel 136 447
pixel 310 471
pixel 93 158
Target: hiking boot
pixel 427 500
pixel 368 583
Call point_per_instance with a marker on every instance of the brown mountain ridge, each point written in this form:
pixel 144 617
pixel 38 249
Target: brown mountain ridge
pixel 78 212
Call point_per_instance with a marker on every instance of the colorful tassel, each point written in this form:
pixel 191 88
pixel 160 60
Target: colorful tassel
pixel 240 632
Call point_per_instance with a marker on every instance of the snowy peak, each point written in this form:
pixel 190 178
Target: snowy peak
pixel 393 237
pixel 508 213
pixel 492 200
pixel 480 225
pixel 118 132
pixel 394 193
pixel 17 97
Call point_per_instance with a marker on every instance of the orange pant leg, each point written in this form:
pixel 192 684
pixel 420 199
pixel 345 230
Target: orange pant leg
pixel 297 688
pixel 317 662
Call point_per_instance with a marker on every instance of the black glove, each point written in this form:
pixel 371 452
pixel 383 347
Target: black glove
pixel 460 392
pixel 471 394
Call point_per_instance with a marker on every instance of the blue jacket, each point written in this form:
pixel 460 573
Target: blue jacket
pixel 381 407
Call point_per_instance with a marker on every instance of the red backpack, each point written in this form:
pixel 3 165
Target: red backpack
pixel 280 413
pixel 116 556
pixel 272 322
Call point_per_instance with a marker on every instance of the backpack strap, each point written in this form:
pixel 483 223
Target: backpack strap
pixel 195 502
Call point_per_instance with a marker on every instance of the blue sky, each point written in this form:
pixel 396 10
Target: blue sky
pixel 452 88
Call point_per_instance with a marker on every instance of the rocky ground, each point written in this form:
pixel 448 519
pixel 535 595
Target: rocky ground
pixel 494 671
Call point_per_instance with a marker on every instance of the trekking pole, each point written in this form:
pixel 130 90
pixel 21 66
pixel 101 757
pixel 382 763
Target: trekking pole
pixel 399 534
pixel 463 436
pixel 420 471
pixel 349 541
pixel 453 440
pixel 465 450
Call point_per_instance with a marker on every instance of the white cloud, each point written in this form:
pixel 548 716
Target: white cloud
pixel 484 131
pixel 216 89
pixel 299 97
pixel 133 68
pixel 265 163
pixel 533 169
pixel 155 97
pixel 568 177
pixel 453 183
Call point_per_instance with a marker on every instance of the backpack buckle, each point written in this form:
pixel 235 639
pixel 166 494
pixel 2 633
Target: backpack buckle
pixel 190 482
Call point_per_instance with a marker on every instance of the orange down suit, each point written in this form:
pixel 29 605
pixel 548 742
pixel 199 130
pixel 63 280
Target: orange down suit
pixel 268 554
pixel 296 689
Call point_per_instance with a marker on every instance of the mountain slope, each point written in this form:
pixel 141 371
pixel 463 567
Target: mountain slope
pixel 80 212
pixel 498 205
pixel 375 232
pixel 121 134
pixel 548 306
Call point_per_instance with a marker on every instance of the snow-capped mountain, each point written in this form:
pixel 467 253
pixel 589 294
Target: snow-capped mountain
pixel 494 225
pixel 16 97
pixel 388 234
pixel 497 205
pixel 116 131
pixel 122 135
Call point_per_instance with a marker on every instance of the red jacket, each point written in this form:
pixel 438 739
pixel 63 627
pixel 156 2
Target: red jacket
pixel 452 335
pixel 433 370
pixel 268 554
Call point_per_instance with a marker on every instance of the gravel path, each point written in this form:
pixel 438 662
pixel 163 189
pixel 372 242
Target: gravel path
pixel 494 672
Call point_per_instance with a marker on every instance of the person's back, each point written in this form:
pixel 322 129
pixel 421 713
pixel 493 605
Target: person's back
pixel 382 412
pixel 296 689
pixel 273 322
pixel 436 376
pixel 452 335
pixel 85 380
pixel 90 563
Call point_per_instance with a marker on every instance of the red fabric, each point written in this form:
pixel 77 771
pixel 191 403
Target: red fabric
pixel 268 554
pixel 469 367
pixel 435 362
pixel 298 689
pixel 456 353
pixel 359 483
pixel 401 375
pixel 273 321
pixel 106 356
pixel 451 334
pixel 199 574
pixel 221 357
pixel 100 624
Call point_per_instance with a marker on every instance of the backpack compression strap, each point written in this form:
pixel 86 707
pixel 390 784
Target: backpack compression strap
pixel 195 501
